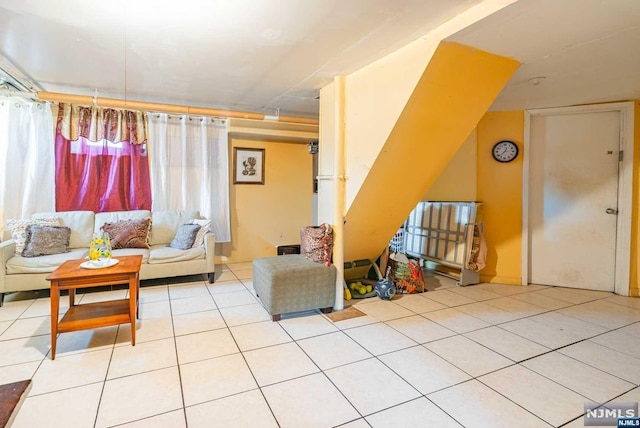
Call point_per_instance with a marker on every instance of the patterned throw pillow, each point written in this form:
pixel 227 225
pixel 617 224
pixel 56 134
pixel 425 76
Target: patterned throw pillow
pixel 405 274
pixel 185 236
pixel 205 226
pixel 18 229
pixel 316 243
pixel 128 233
pixel 42 240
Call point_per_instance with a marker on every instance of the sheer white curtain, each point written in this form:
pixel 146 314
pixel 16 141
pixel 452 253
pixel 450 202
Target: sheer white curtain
pixel 189 160
pixel 27 162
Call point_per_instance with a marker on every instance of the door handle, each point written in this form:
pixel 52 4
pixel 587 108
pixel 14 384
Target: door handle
pixel 611 211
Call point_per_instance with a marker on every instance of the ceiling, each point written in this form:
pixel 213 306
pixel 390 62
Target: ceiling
pixel 588 51
pixel 264 55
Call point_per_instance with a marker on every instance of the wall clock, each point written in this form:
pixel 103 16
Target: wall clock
pixel 505 151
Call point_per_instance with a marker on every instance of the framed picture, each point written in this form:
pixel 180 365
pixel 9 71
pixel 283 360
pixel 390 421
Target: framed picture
pixel 248 166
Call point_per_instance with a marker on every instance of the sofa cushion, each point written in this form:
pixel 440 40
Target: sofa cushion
pixel 80 223
pixel 112 217
pixel 185 237
pixel 164 254
pixel 43 240
pixel 132 252
pixel 42 264
pixel 128 233
pixel 18 229
pixel 165 224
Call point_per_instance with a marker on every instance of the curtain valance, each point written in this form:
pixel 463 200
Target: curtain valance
pixel 97 123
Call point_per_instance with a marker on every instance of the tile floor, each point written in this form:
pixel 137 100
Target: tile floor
pixel 208 355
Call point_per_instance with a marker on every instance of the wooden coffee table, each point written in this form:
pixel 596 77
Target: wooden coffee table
pixel 71 276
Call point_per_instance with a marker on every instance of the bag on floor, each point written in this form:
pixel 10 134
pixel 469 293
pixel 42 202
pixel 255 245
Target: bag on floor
pixel 405 274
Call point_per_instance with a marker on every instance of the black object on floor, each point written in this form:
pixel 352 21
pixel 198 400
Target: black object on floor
pixel 288 249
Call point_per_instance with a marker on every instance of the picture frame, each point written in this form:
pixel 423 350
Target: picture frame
pixel 248 165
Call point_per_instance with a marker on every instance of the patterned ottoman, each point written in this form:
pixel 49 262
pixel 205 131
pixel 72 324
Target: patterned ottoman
pixel 291 283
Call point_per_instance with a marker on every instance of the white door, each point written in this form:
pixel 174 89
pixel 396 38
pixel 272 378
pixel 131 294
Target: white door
pixel 573 199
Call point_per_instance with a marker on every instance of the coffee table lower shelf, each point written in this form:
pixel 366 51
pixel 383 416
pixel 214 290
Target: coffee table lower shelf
pixel 95 315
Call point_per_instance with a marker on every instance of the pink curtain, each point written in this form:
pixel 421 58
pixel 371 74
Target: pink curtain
pixel 100 175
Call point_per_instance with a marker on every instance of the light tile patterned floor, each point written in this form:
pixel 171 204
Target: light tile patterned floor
pixel 207 355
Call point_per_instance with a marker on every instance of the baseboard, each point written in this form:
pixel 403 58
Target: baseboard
pixel 508 280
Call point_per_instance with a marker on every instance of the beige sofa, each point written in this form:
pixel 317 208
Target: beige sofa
pixel 19 273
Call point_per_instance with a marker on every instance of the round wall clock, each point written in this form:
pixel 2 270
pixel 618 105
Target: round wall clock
pixel 505 151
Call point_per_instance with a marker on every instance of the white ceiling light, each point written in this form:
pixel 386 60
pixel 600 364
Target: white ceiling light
pixel 274 117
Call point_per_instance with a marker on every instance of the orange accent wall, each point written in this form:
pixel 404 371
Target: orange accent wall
pixel 456 89
pixel 459 180
pixel 500 189
pixel 265 216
